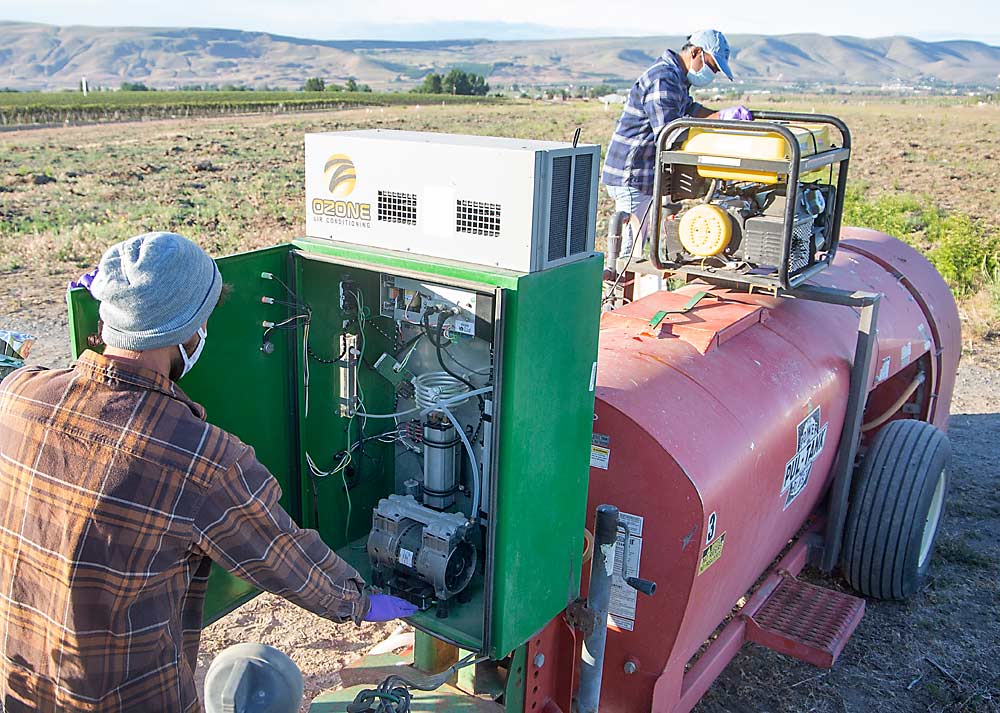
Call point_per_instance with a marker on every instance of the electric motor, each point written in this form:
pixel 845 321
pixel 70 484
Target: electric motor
pixel 418 553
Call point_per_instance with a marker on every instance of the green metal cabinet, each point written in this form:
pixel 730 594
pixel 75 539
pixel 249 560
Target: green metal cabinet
pixel 548 328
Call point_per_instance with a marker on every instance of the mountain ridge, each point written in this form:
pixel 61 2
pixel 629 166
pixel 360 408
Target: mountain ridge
pixel 38 56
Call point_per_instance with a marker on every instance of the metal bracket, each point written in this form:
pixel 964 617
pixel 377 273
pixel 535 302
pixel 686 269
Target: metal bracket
pixel 580 617
pixel 691 303
pixel 349 377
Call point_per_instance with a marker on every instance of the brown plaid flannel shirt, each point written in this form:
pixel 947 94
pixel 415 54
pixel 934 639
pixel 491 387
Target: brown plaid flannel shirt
pixel 115 495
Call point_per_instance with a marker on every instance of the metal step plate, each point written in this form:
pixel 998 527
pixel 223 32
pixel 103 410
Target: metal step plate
pixel 807 622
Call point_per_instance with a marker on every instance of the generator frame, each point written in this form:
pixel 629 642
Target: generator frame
pixel 792 168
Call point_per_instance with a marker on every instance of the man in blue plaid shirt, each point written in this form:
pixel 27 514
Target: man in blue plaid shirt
pixel 659 96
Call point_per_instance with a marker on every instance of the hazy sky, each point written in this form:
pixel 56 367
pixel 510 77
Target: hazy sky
pixel 337 19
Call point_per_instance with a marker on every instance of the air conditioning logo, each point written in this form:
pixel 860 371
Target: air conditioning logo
pixel 341 177
pixel 340 171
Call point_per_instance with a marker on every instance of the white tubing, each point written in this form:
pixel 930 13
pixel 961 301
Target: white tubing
pixel 472 459
pixel 436 406
pixel 435 386
pixel 442 405
pixel 398 414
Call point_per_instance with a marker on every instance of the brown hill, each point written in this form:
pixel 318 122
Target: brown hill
pixel 36 56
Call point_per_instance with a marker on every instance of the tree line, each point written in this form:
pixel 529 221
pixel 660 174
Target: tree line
pixel 455 82
pixel 317 84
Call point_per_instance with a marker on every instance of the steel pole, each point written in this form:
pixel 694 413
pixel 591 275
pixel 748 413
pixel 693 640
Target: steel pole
pixel 602 568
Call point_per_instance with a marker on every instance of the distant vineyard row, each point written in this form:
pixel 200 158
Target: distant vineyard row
pixel 28 108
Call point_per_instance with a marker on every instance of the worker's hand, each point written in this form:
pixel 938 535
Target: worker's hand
pixel 85 280
pixel 386 608
pixel 736 113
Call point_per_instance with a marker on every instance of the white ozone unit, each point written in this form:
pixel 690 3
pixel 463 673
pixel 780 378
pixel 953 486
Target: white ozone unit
pixel 515 204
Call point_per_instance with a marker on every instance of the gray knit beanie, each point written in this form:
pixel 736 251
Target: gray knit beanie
pixel 155 291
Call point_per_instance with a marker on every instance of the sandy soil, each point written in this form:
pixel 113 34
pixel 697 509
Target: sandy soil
pixel 937 652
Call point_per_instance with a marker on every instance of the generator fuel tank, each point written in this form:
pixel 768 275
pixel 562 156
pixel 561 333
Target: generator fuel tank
pixel 716 430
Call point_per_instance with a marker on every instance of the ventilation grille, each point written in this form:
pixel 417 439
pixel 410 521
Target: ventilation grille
pixel 478 218
pixel 395 207
pixel 569 206
pixel 580 224
pixel 562 167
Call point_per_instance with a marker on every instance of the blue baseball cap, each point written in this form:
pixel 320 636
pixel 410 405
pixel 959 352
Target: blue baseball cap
pixel 716 44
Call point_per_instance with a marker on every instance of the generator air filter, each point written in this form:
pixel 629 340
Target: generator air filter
pixel 705 230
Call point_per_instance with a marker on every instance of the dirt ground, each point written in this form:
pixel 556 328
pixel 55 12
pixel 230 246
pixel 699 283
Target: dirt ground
pixel 938 652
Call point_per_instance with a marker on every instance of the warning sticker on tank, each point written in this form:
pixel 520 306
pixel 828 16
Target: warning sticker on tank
pixel 405 557
pixel 810 438
pixel 600 451
pixel 623 597
pixel 632 522
pixel 711 554
pixel 904 354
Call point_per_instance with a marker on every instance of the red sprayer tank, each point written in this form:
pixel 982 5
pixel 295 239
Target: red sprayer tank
pixel 717 431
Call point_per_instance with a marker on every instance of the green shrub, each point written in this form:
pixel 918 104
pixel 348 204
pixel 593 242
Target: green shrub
pixel 965 252
pixel 962 249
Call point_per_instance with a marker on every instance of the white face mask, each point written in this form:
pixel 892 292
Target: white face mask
pixel 703 77
pixel 189 361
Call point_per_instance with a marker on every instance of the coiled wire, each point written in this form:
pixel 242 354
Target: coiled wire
pixel 434 386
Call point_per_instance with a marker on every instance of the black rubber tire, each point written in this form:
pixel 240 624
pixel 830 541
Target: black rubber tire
pixel 890 502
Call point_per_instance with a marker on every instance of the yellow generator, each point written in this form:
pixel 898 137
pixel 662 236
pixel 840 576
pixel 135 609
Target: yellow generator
pixel 749 202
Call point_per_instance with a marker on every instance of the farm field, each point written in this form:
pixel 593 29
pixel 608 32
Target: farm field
pixel 928 170
pixel 34 108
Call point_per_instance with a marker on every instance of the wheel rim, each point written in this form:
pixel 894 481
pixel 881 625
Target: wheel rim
pixel 932 521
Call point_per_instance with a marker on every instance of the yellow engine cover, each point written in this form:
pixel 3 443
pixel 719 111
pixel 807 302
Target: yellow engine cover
pixel 705 230
pixel 770 146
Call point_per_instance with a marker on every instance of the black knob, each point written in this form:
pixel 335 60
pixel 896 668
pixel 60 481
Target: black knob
pixel 642 585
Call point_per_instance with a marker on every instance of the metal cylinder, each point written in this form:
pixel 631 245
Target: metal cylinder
pixel 614 244
pixel 442 460
pixel 602 568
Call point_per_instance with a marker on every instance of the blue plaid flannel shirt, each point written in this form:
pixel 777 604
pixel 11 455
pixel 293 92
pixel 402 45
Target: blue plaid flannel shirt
pixel 658 97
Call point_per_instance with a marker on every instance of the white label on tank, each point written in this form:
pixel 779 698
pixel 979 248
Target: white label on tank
pixel 634 523
pixel 883 372
pixel 600 451
pixel 810 437
pixel 923 333
pixel 405 557
pixel 593 376
pixel 621 623
pixel 623 597
pixel 599 457
pixel 904 354
pixel 710 530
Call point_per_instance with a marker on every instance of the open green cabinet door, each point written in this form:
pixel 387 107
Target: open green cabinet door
pixel 244 390
pixel 531 336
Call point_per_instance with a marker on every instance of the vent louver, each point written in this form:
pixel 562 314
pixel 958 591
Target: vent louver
pixel 581 204
pixel 569 206
pixel 559 207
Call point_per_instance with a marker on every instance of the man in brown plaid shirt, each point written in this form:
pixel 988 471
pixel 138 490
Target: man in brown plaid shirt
pixel 116 496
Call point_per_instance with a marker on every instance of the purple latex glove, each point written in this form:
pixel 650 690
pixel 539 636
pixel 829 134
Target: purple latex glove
pixel 736 113
pixel 386 608
pixel 85 280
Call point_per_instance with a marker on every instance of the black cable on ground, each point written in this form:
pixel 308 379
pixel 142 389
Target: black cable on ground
pixel 393 694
